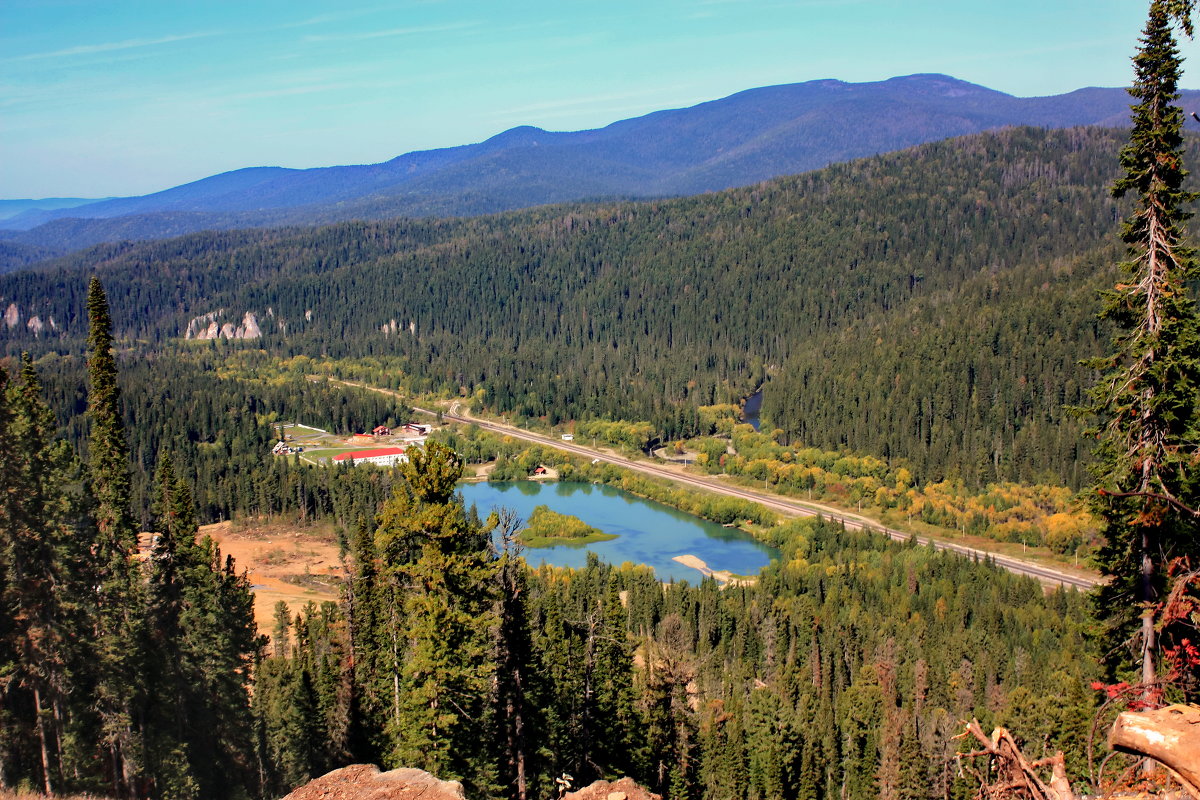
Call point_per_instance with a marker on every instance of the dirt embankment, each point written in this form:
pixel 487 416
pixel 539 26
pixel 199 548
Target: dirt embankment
pixel 285 562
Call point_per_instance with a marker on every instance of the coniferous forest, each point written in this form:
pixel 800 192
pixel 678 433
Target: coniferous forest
pixel 833 675
pixel 842 671
pixel 954 282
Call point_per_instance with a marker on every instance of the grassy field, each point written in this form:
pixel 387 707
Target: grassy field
pixel 330 452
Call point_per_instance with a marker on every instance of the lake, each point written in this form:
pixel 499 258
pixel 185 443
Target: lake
pixel 751 409
pixel 647 532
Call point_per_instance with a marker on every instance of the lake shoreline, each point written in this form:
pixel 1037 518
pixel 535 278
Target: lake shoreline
pixel 647 531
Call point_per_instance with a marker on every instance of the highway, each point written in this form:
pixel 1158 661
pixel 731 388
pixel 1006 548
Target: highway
pixel 1047 575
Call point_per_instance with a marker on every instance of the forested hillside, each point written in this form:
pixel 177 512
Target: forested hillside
pixel 217 418
pixel 843 672
pixel 952 284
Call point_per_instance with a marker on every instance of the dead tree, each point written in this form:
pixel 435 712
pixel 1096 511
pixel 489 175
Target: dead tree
pixel 1009 775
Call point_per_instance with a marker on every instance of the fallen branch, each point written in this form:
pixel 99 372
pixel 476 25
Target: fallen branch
pixel 1016 776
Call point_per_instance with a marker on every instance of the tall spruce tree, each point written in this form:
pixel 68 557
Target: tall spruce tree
pixel 1146 396
pixel 203 641
pixel 9 494
pixel 438 560
pixel 37 553
pixel 120 600
pixel 44 602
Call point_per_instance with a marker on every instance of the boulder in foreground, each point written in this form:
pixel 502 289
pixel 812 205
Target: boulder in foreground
pixel 624 789
pixel 366 782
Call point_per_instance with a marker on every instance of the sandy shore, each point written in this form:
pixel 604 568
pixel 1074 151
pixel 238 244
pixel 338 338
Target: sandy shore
pixel 724 577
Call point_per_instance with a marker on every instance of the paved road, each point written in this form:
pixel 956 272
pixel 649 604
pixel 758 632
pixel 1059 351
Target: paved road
pixel 1047 575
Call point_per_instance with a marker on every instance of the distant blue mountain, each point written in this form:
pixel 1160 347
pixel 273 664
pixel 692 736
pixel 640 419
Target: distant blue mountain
pixel 741 139
pixel 14 208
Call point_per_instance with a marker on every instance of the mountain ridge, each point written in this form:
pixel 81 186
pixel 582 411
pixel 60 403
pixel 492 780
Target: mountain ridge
pixel 741 139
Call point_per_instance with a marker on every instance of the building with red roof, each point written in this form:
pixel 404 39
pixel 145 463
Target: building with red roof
pixel 383 456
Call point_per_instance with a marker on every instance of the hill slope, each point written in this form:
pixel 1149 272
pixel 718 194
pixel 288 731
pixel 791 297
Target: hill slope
pixel 930 305
pixel 735 141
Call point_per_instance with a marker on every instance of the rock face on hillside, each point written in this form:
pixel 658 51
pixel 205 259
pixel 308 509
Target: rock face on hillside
pixel 206 326
pixel 366 782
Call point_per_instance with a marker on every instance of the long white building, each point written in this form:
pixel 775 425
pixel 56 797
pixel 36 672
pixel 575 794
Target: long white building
pixel 384 456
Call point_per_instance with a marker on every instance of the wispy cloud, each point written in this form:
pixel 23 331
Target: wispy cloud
pixel 336 16
pixel 109 47
pixel 407 31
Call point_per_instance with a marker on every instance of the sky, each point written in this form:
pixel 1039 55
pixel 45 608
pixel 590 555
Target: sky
pixel 123 97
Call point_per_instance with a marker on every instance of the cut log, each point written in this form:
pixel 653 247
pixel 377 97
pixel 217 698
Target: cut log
pixel 1170 736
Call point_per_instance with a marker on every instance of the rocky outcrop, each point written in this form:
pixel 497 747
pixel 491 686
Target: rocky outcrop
pixel 366 782
pixel 206 326
pixel 623 789
pixel 12 316
pixel 249 327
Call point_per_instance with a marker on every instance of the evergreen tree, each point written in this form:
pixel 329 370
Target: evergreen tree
pixel 437 561
pixel 41 570
pixel 514 651
pixel 167 754
pixel 42 588
pixel 1146 484
pixel 9 493
pixel 120 601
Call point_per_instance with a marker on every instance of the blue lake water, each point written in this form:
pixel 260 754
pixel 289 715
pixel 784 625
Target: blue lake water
pixel 647 532
pixel 751 409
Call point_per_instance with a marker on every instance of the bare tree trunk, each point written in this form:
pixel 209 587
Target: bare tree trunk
pixel 47 782
pixel 116 769
pixel 1149 674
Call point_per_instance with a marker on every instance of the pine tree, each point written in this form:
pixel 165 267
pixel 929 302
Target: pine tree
pixel 1146 486
pixel 9 494
pixel 40 582
pixel 167 755
pixel 120 601
pixel 42 586
pixel 439 567
pixel 514 651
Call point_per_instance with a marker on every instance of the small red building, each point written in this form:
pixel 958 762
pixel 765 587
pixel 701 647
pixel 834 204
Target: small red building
pixel 382 430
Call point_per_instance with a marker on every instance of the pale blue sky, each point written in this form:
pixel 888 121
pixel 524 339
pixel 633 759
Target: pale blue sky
pixel 123 97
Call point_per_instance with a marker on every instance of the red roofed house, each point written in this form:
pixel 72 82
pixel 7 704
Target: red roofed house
pixel 384 456
pixel 382 430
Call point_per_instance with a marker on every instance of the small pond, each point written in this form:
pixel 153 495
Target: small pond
pixel 751 409
pixel 647 532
